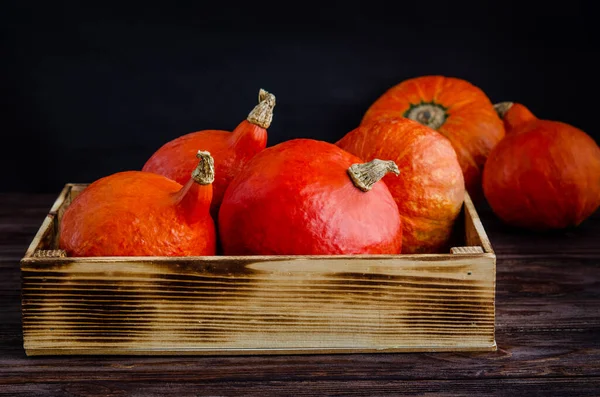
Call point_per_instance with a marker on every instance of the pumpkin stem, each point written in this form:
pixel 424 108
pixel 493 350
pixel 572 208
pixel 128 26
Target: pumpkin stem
pixel 365 175
pixel 502 107
pixel 262 114
pixel 194 198
pixel 204 174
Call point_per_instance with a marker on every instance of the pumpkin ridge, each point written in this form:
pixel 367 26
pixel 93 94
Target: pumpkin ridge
pixel 461 105
pixel 439 88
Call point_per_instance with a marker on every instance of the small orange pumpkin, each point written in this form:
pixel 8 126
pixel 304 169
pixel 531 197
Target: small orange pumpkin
pixel 455 108
pixel 544 175
pixel 136 213
pixel 231 150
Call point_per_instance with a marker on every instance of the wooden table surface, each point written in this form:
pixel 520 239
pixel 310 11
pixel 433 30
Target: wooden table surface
pixel 547 330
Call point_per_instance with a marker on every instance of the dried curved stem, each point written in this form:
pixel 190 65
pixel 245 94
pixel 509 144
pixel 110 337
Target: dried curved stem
pixel 502 107
pixel 204 173
pixel 262 114
pixel 365 175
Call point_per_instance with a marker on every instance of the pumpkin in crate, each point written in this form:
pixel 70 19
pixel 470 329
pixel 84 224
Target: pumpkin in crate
pixel 136 213
pixel 544 175
pixel 430 191
pixel 230 150
pixel 308 197
pixel 455 108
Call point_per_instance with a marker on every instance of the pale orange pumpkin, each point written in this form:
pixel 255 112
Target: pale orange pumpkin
pixel 430 189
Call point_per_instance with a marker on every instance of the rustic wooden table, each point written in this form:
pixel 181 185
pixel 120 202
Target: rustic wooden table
pixel 548 335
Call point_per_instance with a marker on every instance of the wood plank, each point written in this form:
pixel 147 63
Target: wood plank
pixel 342 387
pixel 264 305
pixel 475 234
pixel 521 353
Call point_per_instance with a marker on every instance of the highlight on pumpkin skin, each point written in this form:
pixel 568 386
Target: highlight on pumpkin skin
pixel 365 175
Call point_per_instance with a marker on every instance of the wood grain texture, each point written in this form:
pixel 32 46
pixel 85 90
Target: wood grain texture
pixel 256 305
pixel 392 387
pixel 547 327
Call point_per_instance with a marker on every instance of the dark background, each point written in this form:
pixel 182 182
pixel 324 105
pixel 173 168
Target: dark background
pixel 92 88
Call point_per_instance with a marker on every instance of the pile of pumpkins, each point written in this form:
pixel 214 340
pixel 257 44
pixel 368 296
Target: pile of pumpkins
pixel 395 184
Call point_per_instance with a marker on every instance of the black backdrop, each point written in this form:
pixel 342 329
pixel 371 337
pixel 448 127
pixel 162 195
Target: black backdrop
pixel 89 89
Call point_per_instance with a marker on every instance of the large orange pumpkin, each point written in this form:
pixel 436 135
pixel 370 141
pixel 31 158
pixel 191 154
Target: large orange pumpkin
pixel 544 175
pixel 136 213
pixel 430 189
pixel 308 197
pixel 231 150
pixel 454 107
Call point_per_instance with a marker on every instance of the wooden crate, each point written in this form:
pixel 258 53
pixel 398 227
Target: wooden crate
pixel 257 304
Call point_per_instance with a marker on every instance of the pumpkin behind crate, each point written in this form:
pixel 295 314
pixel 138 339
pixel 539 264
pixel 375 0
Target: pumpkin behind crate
pixel 455 108
pixel 544 175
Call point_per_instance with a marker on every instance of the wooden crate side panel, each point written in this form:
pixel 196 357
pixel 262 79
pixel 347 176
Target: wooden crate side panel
pixel 46 237
pixel 475 234
pixel 251 306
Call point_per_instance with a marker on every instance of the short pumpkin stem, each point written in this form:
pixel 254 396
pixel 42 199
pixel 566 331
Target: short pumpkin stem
pixel 430 114
pixel 204 174
pixel 365 175
pixel 502 107
pixel 262 114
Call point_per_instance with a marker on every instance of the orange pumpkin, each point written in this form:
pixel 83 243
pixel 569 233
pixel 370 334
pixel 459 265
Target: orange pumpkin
pixel 136 213
pixel 454 107
pixel 231 150
pixel 430 189
pixel 308 197
pixel 544 175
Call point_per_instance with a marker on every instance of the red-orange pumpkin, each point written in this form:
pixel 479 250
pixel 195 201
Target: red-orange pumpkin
pixel 454 107
pixel 308 197
pixel 137 213
pixel 544 174
pixel 430 189
pixel 231 150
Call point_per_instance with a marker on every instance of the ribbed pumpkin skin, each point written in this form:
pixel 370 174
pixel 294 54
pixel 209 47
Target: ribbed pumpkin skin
pixel 544 175
pixel 430 188
pixel 296 198
pixel 133 213
pixel 471 123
